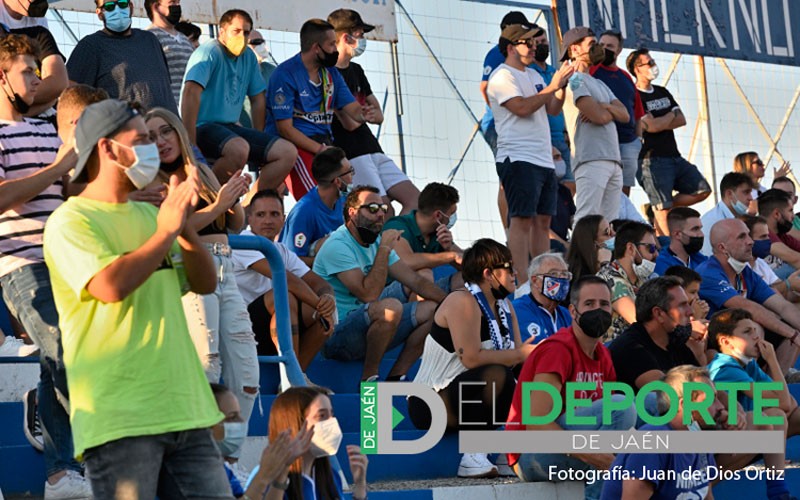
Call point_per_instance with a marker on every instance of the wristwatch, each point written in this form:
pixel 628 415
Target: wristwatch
pixel 281 486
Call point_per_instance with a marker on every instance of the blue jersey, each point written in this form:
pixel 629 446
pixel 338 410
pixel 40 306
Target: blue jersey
pixel 310 106
pixel 667 259
pixel 535 321
pixel 310 220
pixel 725 368
pixel 716 289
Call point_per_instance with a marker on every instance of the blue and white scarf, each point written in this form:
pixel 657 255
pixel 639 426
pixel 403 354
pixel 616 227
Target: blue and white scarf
pixel 500 332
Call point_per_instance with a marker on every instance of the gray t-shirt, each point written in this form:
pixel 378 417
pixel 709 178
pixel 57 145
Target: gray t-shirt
pixel 592 142
pixel 177 49
pixel 130 68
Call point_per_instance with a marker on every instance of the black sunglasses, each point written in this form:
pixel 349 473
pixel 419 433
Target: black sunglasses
pixel 528 42
pixel 110 6
pixel 649 246
pixel 504 265
pixel 375 207
pixel 256 42
pixel 650 63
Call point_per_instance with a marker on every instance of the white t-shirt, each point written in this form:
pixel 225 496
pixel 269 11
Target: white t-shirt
pixel 253 284
pixel 519 138
pixel 25 22
pixel 762 269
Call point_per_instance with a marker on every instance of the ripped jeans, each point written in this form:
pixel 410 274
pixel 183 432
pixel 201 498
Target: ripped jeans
pixel 223 335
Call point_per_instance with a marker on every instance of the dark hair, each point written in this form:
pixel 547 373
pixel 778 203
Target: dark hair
pixel 148 8
pixel 630 232
pixel 733 180
pixel 189 29
pixel 352 199
pixel 437 196
pixel 313 31
pixel 678 215
pixel 687 275
pixel 630 62
pixel 232 14
pixel 723 323
pixel 218 389
pixel 582 254
pixel 326 163
pixel 589 279
pixel 782 179
pixel 267 193
pixel 771 199
pixel 751 220
pixel 654 293
pixel 483 254
pixel 503 44
pixel 616 34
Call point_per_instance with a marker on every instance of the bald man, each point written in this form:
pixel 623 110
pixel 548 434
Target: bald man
pixel 728 282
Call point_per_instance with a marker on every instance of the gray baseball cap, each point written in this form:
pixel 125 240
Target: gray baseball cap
pixel 98 120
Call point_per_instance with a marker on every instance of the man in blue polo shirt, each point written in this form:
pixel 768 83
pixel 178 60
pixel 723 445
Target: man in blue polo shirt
pixel 304 92
pixel 728 282
pixel 319 213
pixel 686 240
pixel 539 314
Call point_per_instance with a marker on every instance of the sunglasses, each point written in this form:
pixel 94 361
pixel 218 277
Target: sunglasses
pixel 256 42
pixel 110 6
pixel 758 162
pixel 504 265
pixel 649 246
pixel 528 42
pixel 650 63
pixel 375 207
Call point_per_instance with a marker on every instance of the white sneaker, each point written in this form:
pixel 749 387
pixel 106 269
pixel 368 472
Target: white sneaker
pixel 476 465
pixel 502 466
pixel 15 348
pixel 72 486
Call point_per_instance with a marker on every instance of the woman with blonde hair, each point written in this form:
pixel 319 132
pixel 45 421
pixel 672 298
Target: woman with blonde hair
pixel 218 322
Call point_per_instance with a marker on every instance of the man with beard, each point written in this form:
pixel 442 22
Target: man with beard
pixel 775 206
pixel 112 59
pixel 304 92
pixel 357 262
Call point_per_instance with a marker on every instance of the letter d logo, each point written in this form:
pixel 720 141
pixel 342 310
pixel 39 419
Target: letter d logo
pixel 379 418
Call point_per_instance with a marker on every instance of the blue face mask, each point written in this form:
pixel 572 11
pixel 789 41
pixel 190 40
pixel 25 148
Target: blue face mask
pixel 609 244
pixel 555 289
pixel 761 248
pixel 118 20
pixel 740 208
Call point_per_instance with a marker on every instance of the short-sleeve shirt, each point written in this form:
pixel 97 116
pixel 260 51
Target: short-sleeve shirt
pixel 764 271
pixel 519 138
pixel 493 59
pixel 536 321
pixel 561 355
pixel 726 368
pixel 115 64
pixel 23 22
pixel 716 214
pixel 621 286
pixel 177 50
pixel 592 142
pixel 690 479
pixel 360 141
pixel 310 106
pixel 226 81
pixel 310 220
pixel 412 234
pixel 131 366
pixel 635 353
pixel 667 258
pixel 658 102
pixel 245 118
pixel 341 252
pixel 716 289
pixel 47 43
pixel 253 284
pixel 621 84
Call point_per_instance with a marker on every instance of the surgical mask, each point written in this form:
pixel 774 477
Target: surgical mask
pixel 451 220
pixel 327 438
pixel 575 81
pixel 762 248
pixel 542 52
pixel 652 73
pixel 694 426
pixel 235 45
pixel 737 265
pixel 360 48
pixel 595 323
pixel 740 208
pixel 235 434
pixel 784 226
pixel 16 100
pixel 367 235
pixel 741 356
pixel 561 168
pixel 345 188
pixel 118 20
pixel 329 59
pixel 609 243
pixel 695 244
pixel 262 52
pixel 145 166
pixel 644 270
pixel 596 54
pixel 37 8
pixel 609 57
pixel 555 289
pixel 174 14
pixel 501 292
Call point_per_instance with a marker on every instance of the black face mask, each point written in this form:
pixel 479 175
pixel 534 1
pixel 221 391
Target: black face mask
pixel 695 244
pixel 500 292
pixel 595 323
pixel 329 59
pixel 174 14
pixel 172 166
pixel 367 235
pixel 542 53
pixel 17 101
pixel 680 334
pixel 784 226
pixel 37 8
pixel 609 58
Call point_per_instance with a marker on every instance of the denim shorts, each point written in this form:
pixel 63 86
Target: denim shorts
pixel 212 137
pixel 661 176
pixel 530 189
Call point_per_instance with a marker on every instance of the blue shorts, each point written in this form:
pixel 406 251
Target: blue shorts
pixel 212 137
pixel 530 189
pixel 661 176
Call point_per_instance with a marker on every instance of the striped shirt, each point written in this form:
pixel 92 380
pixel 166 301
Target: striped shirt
pixel 177 49
pixel 26 147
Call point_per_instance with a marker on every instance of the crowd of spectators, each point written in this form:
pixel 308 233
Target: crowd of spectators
pixel 115 262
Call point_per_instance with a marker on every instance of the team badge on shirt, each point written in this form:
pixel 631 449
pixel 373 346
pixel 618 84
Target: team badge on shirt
pixel 534 330
pixel 487 70
pixel 299 240
pixel 280 98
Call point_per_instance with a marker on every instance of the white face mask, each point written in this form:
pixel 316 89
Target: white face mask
pixel 235 434
pixel 645 269
pixel 360 48
pixel 262 52
pixel 741 356
pixel 327 438
pixel 145 167
pixel 652 73
pixel 737 265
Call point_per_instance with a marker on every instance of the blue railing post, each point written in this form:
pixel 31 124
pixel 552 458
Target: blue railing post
pixel 281 296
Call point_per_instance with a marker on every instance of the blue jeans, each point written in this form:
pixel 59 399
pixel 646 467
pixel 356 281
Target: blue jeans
pixel 185 464
pixel 29 297
pixel 536 466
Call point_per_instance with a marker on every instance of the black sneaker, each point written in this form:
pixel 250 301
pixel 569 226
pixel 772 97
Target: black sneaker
pixel 31 425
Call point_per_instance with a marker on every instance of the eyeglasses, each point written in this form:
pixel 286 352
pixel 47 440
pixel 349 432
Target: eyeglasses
pixel 650 63
pixel 349 172
pixel 256 42
pixel 374 207
pixel 757 162
pixel 504 265
pixel 110 6
pixel 651 247
pixel 558 274
pixel 165 133
pixel 608 231
pixel 529 42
